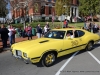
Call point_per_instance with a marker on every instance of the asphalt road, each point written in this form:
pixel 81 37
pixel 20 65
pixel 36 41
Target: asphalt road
pixel 79 63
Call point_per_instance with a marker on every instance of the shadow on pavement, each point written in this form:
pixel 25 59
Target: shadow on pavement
pixel 1 50
pixel 5 49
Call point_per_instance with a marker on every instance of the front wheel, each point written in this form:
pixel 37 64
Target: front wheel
pixel 89 46
pixel 48 59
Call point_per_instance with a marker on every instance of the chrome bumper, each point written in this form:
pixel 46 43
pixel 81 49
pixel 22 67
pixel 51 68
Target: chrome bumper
pixel 27 61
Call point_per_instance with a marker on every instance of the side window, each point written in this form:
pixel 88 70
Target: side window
pixel 76 34
pixel 70 32
pixel 60 34
pixel 81 33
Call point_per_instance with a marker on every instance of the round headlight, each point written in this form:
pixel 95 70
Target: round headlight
pixel 25 55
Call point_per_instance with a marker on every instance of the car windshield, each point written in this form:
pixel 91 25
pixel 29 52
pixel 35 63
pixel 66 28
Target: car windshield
pixel 55 34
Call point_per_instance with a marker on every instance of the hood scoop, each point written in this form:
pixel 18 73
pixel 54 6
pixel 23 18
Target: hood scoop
pixel 44 41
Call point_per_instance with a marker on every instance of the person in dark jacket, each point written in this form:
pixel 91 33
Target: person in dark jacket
pixel 29 32
pixel 39 31
pixel 4 35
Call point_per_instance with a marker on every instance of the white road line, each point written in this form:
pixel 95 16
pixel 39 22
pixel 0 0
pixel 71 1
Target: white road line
pixel 59 71
pixel 94 57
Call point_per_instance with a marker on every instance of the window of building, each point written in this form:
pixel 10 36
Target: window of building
pixel 42 10
pixel 50 9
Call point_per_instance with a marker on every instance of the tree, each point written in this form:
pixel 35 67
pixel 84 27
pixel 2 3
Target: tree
pixel 89 7
pixel 59 6
pixel 3 8
pixel 22 5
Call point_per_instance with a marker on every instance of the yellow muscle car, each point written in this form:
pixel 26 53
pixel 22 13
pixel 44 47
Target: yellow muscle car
pixel 54 44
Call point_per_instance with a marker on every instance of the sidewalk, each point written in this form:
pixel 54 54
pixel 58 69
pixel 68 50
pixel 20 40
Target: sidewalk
pixel 16 40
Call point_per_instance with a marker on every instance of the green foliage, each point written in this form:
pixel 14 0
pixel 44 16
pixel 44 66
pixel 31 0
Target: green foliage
pixel 3 9
pixel 88 7
pixel 67 3
pixel 33 24
pixel 52 25
pixel 59 6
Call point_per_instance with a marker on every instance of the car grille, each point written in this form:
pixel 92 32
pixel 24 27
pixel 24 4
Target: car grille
pixel 18 53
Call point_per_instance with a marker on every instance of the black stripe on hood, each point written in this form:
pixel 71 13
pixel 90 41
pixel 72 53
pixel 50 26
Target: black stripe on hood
pixel 44 41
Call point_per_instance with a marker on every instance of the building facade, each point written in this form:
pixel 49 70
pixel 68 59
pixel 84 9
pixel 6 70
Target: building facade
pixel 38 9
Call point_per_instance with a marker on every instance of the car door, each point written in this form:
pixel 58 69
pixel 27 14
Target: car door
pixel 81 38
pixel 71 44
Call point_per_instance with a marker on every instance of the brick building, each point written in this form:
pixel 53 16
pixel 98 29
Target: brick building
pixel 38 9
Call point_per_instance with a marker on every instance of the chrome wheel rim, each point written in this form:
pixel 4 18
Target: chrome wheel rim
pixel 49 59
pixel 90 46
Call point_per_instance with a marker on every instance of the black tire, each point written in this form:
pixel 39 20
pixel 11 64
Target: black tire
pixel 48 59
pixel 89 46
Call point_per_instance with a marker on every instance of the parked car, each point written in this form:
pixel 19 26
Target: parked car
pixel 54 44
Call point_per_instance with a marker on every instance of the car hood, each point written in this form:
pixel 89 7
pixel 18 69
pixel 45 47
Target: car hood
pixel 31 44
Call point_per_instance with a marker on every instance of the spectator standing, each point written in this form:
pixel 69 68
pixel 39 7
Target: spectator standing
pixel 65 23
pixel 90 27
pixel 46 29
pixel 4 35
pixel 29 31
pixel 11 34
pixel 25 31
pixel 39 31
pixel 47 23
pixel 20 32
pixel 85 25
pixel 95 28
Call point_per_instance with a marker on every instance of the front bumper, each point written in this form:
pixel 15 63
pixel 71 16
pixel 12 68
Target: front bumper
pixel 20 55
pixel 27 61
